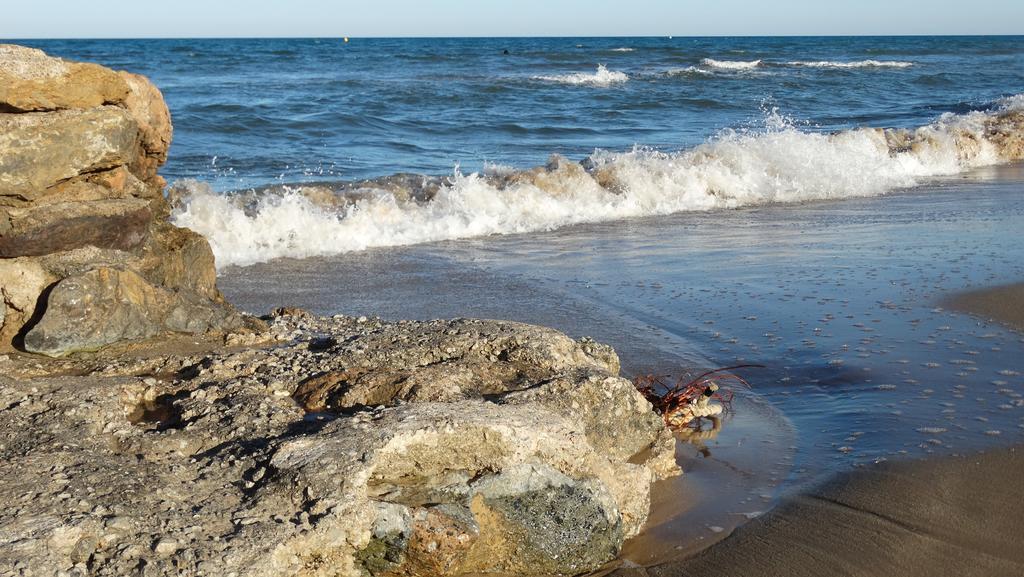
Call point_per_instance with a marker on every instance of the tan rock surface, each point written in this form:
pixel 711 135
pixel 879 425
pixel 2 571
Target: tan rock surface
pixel 43 149
pixel 24 280
pixel 210 456
pixel 32 81
pixel 147 107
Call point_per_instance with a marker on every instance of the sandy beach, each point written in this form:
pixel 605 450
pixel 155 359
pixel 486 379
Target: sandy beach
pixel 952 516
pixel 1003 304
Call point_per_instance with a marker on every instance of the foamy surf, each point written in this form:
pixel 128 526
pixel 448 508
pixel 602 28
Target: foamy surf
pixel 602 77
pixel 780 164
pixel 853 64
pixel 731 64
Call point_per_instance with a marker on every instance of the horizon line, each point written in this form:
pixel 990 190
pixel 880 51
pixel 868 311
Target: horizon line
pixel 512 37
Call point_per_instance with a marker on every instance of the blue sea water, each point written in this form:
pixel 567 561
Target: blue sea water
pixel 258 111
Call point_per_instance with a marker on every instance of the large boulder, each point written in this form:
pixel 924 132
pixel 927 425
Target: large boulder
pixel 526 494
pixel 105 306
pixel 492 447
pixel 80 146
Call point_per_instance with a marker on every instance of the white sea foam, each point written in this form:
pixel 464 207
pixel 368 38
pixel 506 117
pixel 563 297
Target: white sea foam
pixel 602 77
pixel 623 49
pixel 780 164
pixel 731 64
pixel 854 64
pixel 688 71
pixel 1011 103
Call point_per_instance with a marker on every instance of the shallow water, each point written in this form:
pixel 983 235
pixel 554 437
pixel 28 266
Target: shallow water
pixel 841 301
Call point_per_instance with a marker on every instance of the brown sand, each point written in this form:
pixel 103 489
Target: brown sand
pixel 1003 304
pixel 960 516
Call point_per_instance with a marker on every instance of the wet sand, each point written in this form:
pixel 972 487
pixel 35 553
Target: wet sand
pixel 1003 304
pixel 951 516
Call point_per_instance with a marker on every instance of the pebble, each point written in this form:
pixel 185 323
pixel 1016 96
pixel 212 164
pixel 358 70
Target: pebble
pixel 165 546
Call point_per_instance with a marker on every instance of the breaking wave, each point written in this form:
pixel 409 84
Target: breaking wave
pixel 731 64
pixel 855 64
pixel 602 77
pixel 779 164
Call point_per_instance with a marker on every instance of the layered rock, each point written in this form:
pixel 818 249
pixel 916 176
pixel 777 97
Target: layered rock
pixel 491 448
pixel 80 146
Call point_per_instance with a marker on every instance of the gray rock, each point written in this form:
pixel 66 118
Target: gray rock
pixel 106 306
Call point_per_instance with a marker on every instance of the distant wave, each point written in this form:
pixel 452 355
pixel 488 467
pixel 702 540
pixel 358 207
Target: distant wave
pixel 602 77
pixel 623 49
pixel 780 164
pixel 688 71
pixel 855 64
pixel 731 64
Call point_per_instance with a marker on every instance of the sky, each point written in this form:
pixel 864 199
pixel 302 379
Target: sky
pixel 365 18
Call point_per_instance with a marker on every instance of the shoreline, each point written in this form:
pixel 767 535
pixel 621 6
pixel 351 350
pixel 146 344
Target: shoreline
pixel 919 517
pixel 952 515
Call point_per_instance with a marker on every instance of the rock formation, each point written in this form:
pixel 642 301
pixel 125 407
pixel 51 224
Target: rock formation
pixel 87 257
pixel 353 447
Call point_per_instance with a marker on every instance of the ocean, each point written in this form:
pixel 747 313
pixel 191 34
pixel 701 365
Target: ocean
pixel 262 113
pixel 713 202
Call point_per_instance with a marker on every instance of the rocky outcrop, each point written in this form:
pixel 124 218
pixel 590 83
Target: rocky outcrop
pixel 80 201
pixel 451 448
pixel 351 448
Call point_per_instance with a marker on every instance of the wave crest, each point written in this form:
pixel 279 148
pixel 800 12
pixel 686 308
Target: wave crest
pixel 602 77
pixel 688 71
pixel 854 64
pixel 778 165
pixel 731 64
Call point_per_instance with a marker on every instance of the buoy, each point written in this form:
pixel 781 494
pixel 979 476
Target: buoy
pixel 346 40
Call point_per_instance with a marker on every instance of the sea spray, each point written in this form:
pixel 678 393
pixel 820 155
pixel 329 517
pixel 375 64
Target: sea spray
pixel 779 164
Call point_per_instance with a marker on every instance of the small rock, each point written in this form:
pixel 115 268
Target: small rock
pixel 165 546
